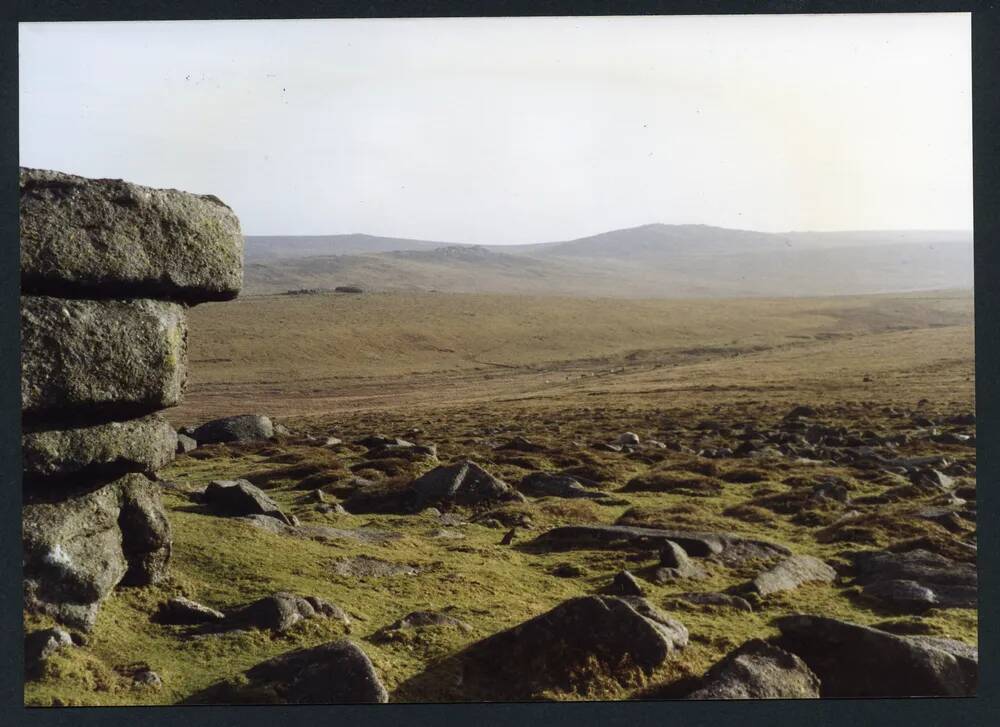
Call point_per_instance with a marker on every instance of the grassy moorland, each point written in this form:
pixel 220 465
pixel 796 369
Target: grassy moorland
pixel 469 373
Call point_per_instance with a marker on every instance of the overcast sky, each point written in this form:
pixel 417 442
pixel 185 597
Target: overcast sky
pixel 518 130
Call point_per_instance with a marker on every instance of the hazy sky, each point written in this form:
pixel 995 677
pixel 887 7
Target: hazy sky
pixel 518 130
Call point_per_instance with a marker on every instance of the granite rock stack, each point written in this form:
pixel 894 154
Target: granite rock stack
pixel 108 269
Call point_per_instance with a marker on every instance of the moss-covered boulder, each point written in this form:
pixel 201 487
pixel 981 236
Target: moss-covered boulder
pixel 97 358
pixel 77 548
pixel 108 449
pixel 110 238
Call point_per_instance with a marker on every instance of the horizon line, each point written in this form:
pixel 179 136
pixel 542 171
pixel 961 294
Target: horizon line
pixel 887 230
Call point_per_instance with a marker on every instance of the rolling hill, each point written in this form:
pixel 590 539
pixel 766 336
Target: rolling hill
pixel 651 261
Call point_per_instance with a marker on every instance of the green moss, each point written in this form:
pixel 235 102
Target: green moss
pixel 225 563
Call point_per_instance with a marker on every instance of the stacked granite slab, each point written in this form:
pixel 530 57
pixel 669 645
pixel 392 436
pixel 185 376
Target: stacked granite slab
pixel 108 269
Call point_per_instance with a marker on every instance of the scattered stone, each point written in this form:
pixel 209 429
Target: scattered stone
pixel 100 356
pixel 556 649
pixel 147 542
pixel 185 444
pixel 628 439
pixel 509 537
pixel 337 672
pixel 568 570
pixel 800 412
pixel 242 428
pixel 673 556
pixel 328 610
pixel 363 566
pixel 917 579
pixel 102 450
pixel 280 611
pixel 605 447
pixel 758 670
pixel 521 444
pixel 420 619
pixel 348 289
pixel 98 236
pixel 377 441
pixel 946 517
pixel 626 536
pixel 404 449
pixel 662 576
pixel 791 573
pixel 239 497
pixel 147 678
pixel 183 611
pixel 462 483
pixel 932 479
pixel 40 645
pixel 544 484
pixel 857 661
pixel 625 584
pixel 717 599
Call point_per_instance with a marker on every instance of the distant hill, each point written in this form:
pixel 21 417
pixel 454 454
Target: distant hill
pixel 649 261
pixel 272 247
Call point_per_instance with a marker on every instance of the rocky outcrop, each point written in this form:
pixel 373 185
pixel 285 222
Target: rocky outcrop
pixel 107 270
pixel 78 548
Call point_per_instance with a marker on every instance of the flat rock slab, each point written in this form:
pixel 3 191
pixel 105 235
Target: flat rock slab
pixel 363 566
pixel 321 533
pixel 791 573
pixel 858 661
pixel 420 620
pixel 627 536
pixel 758 670
pixel 100 357
pixel 111 449
pixel 109 238
pixel 77 549
pixel 337 672
pixel 184 611
pixel 917 579
pixel 617 634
